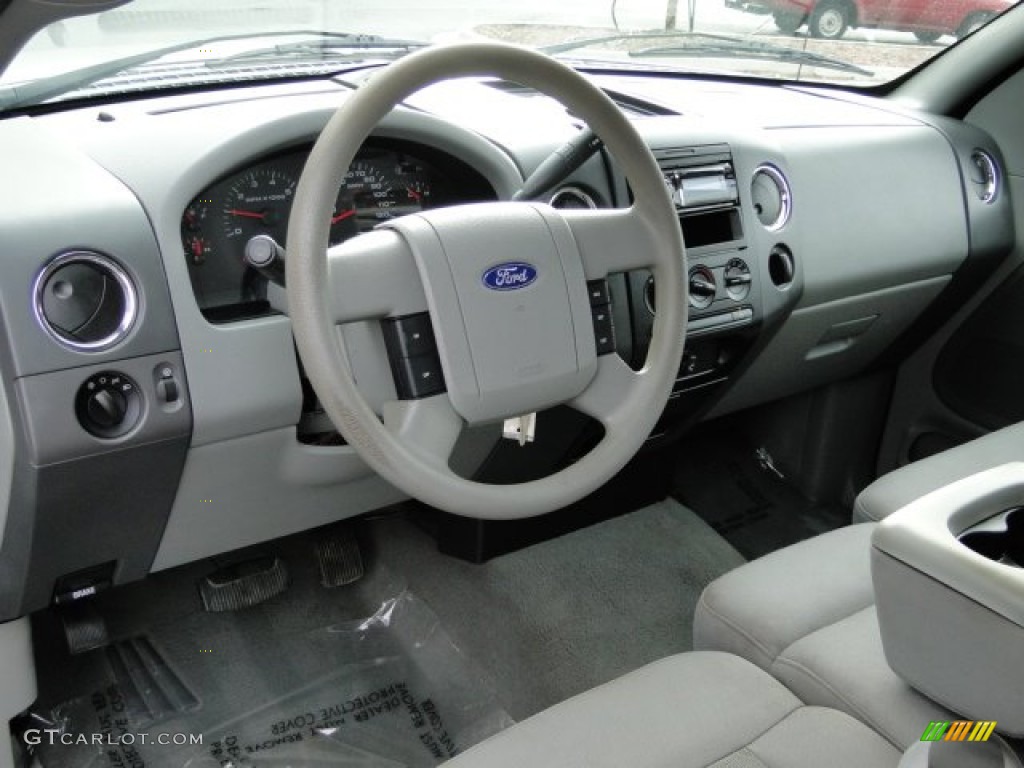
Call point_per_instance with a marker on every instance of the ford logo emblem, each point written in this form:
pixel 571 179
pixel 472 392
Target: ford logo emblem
pixel 510 276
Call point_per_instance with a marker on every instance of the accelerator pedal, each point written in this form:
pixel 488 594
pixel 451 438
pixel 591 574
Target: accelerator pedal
pixel 339 558
pixel 84 628
pixel 243 584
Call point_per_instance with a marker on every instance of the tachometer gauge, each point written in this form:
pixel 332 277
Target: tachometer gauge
pixel 258 203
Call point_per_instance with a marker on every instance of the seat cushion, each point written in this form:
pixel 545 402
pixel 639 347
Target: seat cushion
pixel 806 614
pixel 843 666
pixel 693 710
pixel 902 486
pixel 763 607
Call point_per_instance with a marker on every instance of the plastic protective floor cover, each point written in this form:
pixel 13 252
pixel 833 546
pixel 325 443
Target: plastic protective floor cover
pixel 397 693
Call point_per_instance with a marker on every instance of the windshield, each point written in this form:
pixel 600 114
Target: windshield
pixel 188 42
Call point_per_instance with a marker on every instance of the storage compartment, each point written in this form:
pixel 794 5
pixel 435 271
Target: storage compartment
pixel 1000 538
pixel 949 589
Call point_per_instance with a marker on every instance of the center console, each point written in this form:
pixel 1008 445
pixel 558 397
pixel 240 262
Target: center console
pixel 949 589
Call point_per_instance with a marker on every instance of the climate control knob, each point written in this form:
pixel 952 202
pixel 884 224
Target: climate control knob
pixel 702 287
pixel 108 404
pixel 737 279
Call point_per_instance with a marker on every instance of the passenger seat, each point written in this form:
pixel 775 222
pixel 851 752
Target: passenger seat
pixel 806 613
pixel 693 710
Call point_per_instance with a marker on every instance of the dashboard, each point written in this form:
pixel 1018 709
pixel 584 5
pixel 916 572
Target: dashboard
pixel 811 250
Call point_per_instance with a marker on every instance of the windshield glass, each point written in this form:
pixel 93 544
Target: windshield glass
pixel 188 42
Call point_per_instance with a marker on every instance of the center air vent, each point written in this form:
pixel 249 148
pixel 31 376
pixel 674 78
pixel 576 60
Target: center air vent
pixel 984 174
pixel 85 300
pixel 771 197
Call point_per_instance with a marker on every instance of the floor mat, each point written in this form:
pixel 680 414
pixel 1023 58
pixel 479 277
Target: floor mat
pixel 387 690
pixel 535 626
pixel 559 617
pixel 747 502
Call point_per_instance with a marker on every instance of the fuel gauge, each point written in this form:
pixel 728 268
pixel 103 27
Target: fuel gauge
pixel 197 246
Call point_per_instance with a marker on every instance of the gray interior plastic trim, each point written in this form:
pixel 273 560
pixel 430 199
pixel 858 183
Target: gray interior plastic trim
pixel 635 400
pixel 8 447
pixel 17 679
pixel 994 753
pixel 999 114
pixel 948 81
pixel 807 352
pixel 951 648
pixel 261 487
pixel 108 220
pixel 55 434
pixel 924 533
pixel 880 231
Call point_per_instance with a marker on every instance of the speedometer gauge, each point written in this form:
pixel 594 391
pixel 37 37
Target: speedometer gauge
pixel 377 189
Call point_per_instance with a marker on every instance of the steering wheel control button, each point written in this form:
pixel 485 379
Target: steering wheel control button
pixel 108 404
pixel 737 279
pixel 599 294
pixel 412 351
pixel 85 301
pixel 410 336
pixel 419 377
pixel 702 287
pixel 604 330
pixel 601 314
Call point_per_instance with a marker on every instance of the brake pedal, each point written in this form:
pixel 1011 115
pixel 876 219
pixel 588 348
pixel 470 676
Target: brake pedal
pixel 339 558
pixel 84 628
pixel 243 584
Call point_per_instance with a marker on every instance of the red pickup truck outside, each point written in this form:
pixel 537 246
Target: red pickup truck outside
pixel 829 19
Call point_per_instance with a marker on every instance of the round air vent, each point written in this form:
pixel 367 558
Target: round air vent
pixel 571 197
pixel 771 197
pixel 984 174
pixel 85 300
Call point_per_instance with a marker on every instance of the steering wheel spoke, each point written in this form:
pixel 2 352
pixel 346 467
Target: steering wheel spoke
pixel 605 396
pixel 610 241
pixel 429 427
pixel 373 276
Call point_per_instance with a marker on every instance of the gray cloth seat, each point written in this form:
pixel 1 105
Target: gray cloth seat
pixel 693 710
pixel 806 614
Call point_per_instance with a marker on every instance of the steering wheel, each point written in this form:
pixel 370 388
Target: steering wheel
pixel 505 285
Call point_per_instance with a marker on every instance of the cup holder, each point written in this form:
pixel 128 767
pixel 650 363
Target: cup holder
pixel 1000 538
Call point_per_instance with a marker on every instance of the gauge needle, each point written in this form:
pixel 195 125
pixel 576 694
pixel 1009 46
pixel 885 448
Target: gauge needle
pixel 247 214
pixel 343 215
pixel 413 194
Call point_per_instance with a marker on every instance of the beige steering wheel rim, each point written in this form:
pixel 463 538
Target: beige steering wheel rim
pixel 320 345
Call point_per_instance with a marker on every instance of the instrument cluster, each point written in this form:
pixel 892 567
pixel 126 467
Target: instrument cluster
pixel 385 180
